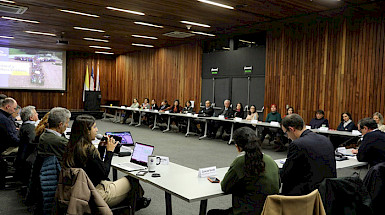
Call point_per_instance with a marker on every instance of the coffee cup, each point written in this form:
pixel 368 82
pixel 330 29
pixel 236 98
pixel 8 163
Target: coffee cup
pixel 153 161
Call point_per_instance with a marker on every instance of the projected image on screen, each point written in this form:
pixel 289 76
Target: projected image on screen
pixel 32 69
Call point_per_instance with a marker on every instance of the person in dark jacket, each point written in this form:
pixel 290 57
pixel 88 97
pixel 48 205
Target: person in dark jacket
pixel 251 177
pixel 206 111
pixel 275 133
pixel 219 127
pixel 319 120
pixel 151 117
pixel 238 112
pixel 80 153
pixel 310 158
pixel 372 148
pixel 347 124
pixel 187 108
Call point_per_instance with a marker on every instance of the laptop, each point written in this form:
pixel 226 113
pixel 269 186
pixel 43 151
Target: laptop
pixel 125 135
pixel 139 158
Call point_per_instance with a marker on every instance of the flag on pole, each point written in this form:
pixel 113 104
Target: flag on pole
pixel 86 84
pixel 92 80
pixel 97 79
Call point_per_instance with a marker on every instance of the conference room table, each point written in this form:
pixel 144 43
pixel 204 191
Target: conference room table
pixel 177 180
pixel 350 162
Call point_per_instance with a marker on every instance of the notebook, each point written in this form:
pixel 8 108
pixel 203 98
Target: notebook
pixel 139 158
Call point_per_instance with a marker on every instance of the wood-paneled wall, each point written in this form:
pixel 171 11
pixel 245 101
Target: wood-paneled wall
pixel 335 65
pixel 166 73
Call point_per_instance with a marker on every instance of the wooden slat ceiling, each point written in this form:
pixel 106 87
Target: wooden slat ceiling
pixel 120 26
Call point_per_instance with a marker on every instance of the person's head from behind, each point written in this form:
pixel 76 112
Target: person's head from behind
pixel 17 112
pixel 29 114
pixel 188 104
pixel 176 102
pixel 246 140
pixel 293 125
pixel 208 103
pixel 226 103
pixel 83 131
pixel 346 116
pixel 239 106
pixel 42 125
pixel 319 114
pixel 290 110
pixel 146 100
pixel 378 118
pixel 9 105
pixel 252 110
pixel 367 125
pixel 58 119
pixel 273 108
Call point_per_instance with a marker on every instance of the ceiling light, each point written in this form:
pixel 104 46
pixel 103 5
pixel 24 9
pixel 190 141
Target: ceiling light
pixel 202 33
pixel 97 52
pixel 100 47
pixel 126 11
pixel 6 37
pixel 145 37
pixel 20 20
pixel 6 1
pixel 94 39
pixel 89 29
pixel 79 13
pixel 40 33
pixel 144 45
pixel 148 24
pixel 194 23
pixel 216 4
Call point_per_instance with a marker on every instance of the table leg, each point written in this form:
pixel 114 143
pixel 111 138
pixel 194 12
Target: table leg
pixel 168 203
pixel 168 124
pixel 205 134
pixel 105 114
pixel 116 116
pixel 140 119
pixel 132 118
pixel 156 117
pixel 231 134
pixel 114 174
pixel 188 127
pixel 203 207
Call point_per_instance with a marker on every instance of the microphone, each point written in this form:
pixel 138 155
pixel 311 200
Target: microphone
pixel 99 136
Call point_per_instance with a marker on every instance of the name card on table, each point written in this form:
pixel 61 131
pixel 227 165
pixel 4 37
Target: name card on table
pixel 156 111
pixel 323 128
pixel 164 160
pixel 122 106
pixel 167 111
pixel 196 115
pixel 308 127
pixel 136 108
pixel 221 116
pixel 274 124
pixel 238 119
pixel 356 132
pixel 208 171
pixel 189 114
pixel 254 121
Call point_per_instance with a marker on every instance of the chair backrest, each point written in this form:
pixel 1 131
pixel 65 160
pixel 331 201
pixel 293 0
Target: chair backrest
pixel 310 204
pixel 374 182
pixel 49 176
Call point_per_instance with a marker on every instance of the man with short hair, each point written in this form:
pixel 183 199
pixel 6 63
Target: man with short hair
pixel 52 142
pixel 8 133
pixel 310 158
pixel 372 148
pixel 206 111
pixel 219 126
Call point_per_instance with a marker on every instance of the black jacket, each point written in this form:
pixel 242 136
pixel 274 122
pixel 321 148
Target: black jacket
pixel 349 127
pixel 374 182
pixel 372 148
pixel 8 132
pixel 310 159
pixel 187 110
pixel 154 107
pixel 98 169
pixel 317 123
pixel 207 111
pixel 164 107
pixel 229 113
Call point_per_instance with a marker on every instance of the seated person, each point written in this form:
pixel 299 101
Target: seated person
pixel 277 133
pixel 52 141
pixel 251 177
pixel 163 107
pixel 289 110
pixel 27 144
pixel 175 108
pixel 16 117
pixel 187 108
pixel 379 120
pixel 153 106
pixel 319 120
pixel 135 104
pixel 183 122
pixel 238 112
pixel 145 106
pixel 206 111
pixel 220 127
pixel 80 153
pixel 372 148
pixel 347 123
pixel 252 113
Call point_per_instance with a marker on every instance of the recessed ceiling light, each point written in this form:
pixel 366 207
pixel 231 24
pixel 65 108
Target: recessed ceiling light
pixel 6 1
pixel 145 37
pixel 195 23
pixel 202 33
pixel 126 11
pixel 143 45
pixel 97 52
pixel 78 13
pixel 40 33
pixel 217 4
pixel 100 47
pixel 148 24
pixel 20 20
pixel 6 37
pixel 89 29
pixel 94 39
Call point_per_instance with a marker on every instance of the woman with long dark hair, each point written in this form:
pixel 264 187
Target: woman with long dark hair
pixel 251 177
pixel 80 153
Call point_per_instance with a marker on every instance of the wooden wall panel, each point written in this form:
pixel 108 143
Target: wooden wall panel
pixel 166 73
pixel 335 65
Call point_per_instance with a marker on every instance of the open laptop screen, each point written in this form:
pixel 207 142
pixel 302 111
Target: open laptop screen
pixel 126 137
pixel 141 153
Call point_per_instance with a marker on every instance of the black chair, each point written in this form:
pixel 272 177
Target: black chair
pixel 374 182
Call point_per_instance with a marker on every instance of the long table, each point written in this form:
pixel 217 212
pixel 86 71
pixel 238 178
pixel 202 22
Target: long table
pixel 177 180
pixel 351 162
